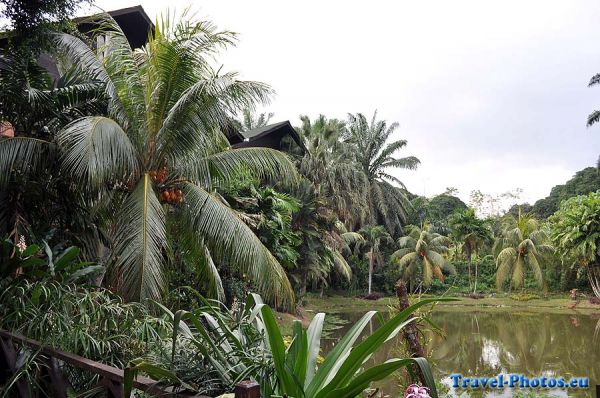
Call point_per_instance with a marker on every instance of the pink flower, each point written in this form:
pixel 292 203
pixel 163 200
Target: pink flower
pixel 414 391
pixel 22 246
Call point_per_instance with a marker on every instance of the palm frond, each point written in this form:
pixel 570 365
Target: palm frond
pixel 231 241
pixel 263 163
pixel 96 151
pixel 22 154
pixel 140 241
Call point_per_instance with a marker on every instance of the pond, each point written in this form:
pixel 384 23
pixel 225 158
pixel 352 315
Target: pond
pixel 486 343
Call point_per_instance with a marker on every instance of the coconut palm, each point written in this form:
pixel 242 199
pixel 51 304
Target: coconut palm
pixel 387 204
pixel 374 236
pixel 523 244
pixel 159 154
pixel 331 166
pixel 422 251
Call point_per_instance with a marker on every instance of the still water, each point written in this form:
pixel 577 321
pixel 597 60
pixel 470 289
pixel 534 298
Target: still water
pixel 479 343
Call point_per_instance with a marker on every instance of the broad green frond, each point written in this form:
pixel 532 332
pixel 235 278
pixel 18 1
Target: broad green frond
pixel 21 153
pixel 84 59
pixel 263 163
pixel 96 150
pixel 140 240
pixel 341 265
pixel 231 241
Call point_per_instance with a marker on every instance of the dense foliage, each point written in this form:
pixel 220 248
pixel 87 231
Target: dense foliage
pixel 582 183
pixel 121 198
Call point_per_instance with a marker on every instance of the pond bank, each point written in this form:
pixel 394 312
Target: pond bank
pixel 556 304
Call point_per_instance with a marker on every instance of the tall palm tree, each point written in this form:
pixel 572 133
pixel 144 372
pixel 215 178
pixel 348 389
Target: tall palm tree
pixel 523 244
pixel 374 236
pixel 331 166
pixel 323 240
pixel 473 232
pixel 422 251
pixel 159 154
pixel 387 204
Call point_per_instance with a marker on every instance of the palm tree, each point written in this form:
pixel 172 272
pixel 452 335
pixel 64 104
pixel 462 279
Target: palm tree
pixel 523 244
pixel 473 232
pixel 323 240
pixel 331 166
pixel 251 121
pixel 422 251
pixel 387 204
pixel 374 236
pixel 159 155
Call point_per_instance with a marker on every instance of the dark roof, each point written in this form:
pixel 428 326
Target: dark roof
pixel 134 22
pixel 276 130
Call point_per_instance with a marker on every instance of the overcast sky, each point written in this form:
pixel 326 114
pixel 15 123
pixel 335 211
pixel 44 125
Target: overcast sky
pixel 490 95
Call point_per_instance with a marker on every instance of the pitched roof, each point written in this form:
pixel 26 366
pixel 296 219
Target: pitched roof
pixel 282 129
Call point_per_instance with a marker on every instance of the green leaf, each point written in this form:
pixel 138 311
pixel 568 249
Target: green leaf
pixel 153 371
pixel 314 346
pixel 287 384
pixel 66 257
pixel 363 380
pixel 364 350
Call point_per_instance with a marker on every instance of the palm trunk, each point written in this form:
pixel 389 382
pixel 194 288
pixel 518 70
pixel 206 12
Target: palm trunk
pixel 371 259
pixel 475 288
pixel 468 254
pixel 410 331
pixel 594 279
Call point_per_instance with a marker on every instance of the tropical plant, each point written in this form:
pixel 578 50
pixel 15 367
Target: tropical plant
pixel 472 232
pixel 387 204
pixel 576 233
pixel 374 236
pixel 422 252
pixel 159 155
pixel 331 166
pixel 54 264
pixel 108 330
pixel 523 244
pixel 323 240
pixel 250 121
pixel 294 371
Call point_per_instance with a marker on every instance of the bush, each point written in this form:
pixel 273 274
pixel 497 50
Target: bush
pixel 525 297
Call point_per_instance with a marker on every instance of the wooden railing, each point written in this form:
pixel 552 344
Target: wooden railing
pixel 53 380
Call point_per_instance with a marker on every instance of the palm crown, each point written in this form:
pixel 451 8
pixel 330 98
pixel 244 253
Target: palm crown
pixel 523 243
pixel 387 204
pixel 159 154
pixel 422 251
pixel 330 164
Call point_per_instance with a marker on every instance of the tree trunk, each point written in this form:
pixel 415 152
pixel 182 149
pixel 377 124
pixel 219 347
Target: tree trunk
pixel 371 259
pixel 410 331
pixel 475 288
pixel 593 276
pixel 468 253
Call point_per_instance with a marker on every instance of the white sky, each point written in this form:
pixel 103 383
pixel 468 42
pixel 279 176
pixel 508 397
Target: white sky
pixel 490 95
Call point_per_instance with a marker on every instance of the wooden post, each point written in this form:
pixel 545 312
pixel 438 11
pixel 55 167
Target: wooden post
pixel 597 390
pixel 247 389
pixel 56 381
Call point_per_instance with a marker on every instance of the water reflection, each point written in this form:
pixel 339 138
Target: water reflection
pixel 488 343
